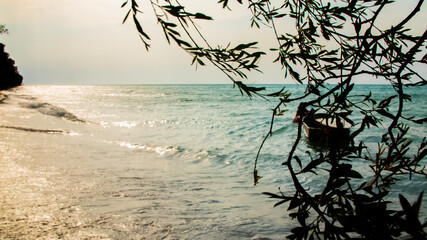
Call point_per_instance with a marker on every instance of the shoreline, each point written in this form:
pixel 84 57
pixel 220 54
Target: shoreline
pixel 64 186
pixel 2 97
pixel 39 198
pixel 28 210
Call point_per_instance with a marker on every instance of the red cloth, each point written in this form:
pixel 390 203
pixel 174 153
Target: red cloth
pixel 301 112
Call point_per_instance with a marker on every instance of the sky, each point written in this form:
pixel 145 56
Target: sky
pixel 85 42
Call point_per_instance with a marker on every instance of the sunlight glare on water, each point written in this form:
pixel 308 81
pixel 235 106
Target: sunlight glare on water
pixel 145 162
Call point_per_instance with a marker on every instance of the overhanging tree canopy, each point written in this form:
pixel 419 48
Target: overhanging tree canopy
pixel 333 42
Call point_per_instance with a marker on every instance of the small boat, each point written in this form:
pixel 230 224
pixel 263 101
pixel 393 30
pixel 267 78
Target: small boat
pixel 325 128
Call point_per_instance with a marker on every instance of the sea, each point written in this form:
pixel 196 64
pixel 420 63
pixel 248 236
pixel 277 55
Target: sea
pixel 159 161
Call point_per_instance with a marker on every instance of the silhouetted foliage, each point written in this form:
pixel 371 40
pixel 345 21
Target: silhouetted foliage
pixel 333 42
pixel 9 75
pixel 3 29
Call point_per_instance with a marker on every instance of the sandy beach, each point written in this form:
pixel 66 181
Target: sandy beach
pixel 29 208
pixel 37 198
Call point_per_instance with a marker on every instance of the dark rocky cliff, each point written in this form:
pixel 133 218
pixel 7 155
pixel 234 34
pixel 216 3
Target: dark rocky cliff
pixel 9 75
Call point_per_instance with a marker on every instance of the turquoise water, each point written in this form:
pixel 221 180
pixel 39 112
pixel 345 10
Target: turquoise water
pixel 167 161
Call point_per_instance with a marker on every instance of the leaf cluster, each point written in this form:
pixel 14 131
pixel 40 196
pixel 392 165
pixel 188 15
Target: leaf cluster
pixel 332 42
pixel 179 26
pixel 349 204
pixel 3 29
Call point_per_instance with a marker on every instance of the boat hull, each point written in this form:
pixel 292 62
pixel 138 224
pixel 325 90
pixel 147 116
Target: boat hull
pixel 322 128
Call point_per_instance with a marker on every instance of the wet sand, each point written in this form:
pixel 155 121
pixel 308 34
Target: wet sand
pixel 29 209
pixel 37 200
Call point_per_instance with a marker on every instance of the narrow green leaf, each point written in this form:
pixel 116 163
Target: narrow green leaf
pixel 354 174
pixel 311 165
pixel 124 4
pixel 126 17
pixel 405 204
pixel 298 161
pixel 324 32
pixel 139 28
pixel 201 62
pixel 272 195
pixel 225 3
pixel 417 205
pixel 295 202
pixel 244 46
pixel 280 202
pixel 202 16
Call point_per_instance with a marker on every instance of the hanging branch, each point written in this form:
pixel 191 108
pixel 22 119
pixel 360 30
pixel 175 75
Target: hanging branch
pixel 333 42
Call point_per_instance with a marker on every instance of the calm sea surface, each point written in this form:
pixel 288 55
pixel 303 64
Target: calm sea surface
pixel 152 162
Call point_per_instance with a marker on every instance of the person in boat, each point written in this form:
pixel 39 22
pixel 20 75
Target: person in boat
pixel 301 112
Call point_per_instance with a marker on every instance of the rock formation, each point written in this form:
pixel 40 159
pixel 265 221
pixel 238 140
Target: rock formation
pixel 9 75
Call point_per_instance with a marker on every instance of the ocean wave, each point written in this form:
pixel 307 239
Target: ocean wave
pixel 48 109
pixel 194 156
pixel 161 150
pixel 132 123
pixel 283 129
pixel 132 95
pixel 26 97
pixel 122 124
